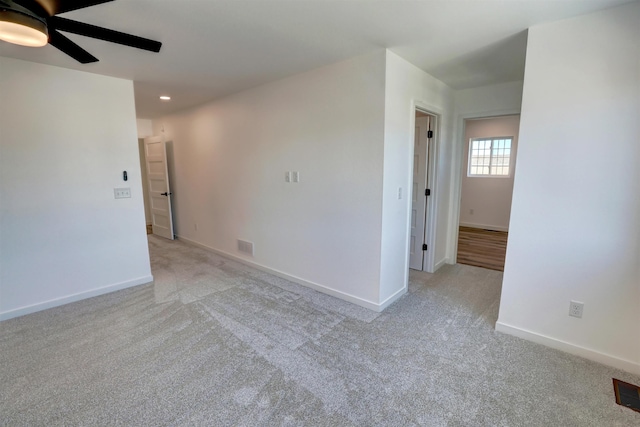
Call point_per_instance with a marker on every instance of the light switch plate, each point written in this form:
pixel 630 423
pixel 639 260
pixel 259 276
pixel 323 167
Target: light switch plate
pixel 122 193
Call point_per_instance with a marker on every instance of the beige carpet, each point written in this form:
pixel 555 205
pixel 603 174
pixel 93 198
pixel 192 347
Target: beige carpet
pixel 215 343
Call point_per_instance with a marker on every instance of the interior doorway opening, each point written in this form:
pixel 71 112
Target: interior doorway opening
pixel 420 238
pixel 489 153
pixel 158 195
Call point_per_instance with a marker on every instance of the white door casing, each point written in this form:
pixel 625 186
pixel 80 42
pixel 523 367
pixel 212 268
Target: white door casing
pixel 158 183
pixel 418 198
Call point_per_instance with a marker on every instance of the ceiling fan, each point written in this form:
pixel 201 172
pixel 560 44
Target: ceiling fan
pixel 35 23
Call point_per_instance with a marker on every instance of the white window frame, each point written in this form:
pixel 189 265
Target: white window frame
pixel 489 138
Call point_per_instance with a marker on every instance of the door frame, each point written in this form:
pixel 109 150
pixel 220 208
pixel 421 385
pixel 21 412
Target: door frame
pixel 458 161
pixel 432 165
pixel 420 180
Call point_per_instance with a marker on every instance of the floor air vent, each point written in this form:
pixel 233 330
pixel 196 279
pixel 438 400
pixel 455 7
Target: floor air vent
pixel 245 247
pixel 627 394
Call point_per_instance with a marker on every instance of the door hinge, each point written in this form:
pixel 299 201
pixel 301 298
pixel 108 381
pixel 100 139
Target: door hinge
pixel 427 192
pixel 424 247
pixel 429 134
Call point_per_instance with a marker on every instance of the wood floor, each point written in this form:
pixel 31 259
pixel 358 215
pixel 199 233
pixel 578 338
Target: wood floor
pixel 482 248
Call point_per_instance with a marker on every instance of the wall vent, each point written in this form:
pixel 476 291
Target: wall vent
pixel 245 247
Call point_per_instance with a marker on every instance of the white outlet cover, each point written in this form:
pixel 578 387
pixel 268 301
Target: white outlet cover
pixel 287 176
pixel 295 176
pixel 576 308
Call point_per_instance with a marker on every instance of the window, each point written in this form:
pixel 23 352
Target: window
pixel 490 157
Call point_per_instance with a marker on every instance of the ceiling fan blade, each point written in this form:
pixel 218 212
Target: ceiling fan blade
pixel 70 48
pixel 53 7
pixel 75 27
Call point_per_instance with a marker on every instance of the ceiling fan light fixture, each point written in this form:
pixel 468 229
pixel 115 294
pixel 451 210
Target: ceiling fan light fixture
pixel 25 30
pixel 165 98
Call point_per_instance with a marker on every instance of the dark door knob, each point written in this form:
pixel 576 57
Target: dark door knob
pixel 165 194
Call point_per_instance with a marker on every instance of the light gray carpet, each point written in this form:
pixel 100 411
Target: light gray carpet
pixel 216 343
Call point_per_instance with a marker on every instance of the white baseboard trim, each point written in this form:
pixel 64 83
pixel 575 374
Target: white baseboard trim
pixel 484 226
pixel 74 297
pixel 596 356
pixel 440 263
pixel 386 303
pixel 315 286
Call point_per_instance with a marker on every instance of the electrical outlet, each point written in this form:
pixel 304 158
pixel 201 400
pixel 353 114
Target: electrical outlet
pixel 575 309
pixel 295 176
pixel 470 211
pixel 287 176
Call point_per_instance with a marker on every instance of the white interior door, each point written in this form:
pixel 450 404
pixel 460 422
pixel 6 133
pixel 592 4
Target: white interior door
pixel 419 200
pixel 158 184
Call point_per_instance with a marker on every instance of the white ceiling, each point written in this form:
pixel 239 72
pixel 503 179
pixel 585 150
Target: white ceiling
pixel 214 48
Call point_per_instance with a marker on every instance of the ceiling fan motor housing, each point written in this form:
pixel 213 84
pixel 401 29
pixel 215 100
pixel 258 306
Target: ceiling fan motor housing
pixel 17 24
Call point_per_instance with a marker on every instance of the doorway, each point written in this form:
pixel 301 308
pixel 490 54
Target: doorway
pixel 488 167
pixel 159 192
pixel 424 136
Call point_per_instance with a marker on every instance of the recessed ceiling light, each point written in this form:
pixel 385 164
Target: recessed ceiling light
pixel 165 98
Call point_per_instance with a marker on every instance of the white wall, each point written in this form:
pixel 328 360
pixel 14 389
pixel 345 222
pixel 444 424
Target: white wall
pixel 143 179
pixel 575 221
pixel 489 101
pixel 230 158
pixel 145 128
pixel 486 201
pixel 407 87
pixel 66 138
